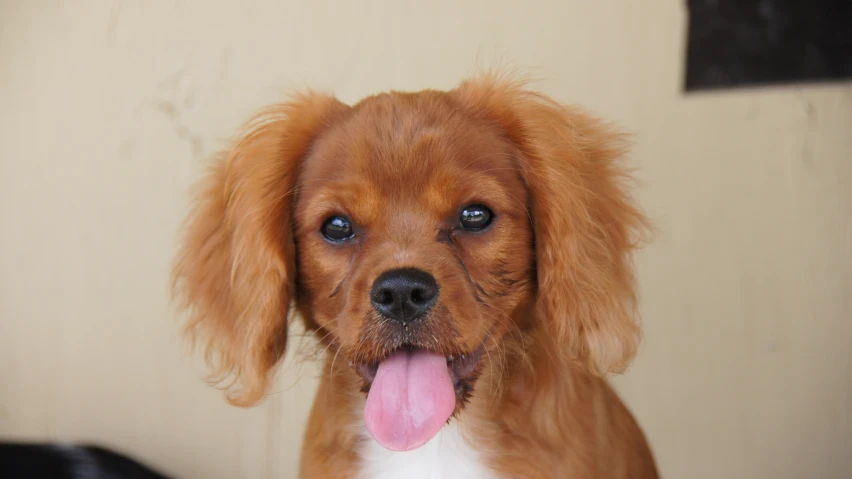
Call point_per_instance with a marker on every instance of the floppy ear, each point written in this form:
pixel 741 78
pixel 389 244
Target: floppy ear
pixel 235 271
pixel 585 224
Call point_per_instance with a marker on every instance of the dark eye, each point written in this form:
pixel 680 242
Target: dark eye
pixel 337 228
pixel 475 217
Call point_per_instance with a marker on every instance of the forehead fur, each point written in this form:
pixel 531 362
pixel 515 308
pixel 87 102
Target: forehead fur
pixel 404 148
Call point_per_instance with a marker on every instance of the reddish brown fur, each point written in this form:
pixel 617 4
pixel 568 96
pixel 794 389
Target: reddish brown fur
pixel 548 290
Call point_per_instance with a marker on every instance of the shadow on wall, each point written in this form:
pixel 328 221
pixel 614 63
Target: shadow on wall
pixel 739 43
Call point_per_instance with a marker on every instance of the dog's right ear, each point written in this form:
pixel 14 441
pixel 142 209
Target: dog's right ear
pixel 235 272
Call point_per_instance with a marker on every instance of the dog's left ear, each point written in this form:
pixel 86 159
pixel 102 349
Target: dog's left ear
pixel 585 224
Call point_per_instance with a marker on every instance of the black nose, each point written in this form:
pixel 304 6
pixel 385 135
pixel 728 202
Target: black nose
pixel 404 294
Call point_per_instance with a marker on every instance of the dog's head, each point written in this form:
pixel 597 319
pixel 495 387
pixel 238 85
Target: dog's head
pixel 413 232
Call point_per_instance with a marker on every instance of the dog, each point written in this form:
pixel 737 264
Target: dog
pixel 462 256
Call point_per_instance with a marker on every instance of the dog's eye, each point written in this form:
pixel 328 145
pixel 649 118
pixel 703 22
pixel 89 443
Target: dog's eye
pixel 475 217
pixel 337 228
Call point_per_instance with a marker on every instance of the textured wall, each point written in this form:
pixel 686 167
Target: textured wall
pixel 107 111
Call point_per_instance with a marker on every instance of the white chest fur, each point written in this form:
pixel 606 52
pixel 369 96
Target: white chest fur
pixel 446 456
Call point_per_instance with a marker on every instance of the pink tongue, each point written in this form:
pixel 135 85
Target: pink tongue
pixel 410 399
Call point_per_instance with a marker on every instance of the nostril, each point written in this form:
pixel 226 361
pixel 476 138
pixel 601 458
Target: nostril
pixel 383 297
pixel 421 295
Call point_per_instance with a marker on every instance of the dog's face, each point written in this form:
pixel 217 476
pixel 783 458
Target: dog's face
pixel 412 231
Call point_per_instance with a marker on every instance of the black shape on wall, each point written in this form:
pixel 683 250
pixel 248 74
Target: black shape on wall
pixel 739 43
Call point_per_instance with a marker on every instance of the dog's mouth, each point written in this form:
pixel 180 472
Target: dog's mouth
pixel 461 367
pixel 413 392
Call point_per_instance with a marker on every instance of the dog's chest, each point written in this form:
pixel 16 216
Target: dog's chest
pixel 446 456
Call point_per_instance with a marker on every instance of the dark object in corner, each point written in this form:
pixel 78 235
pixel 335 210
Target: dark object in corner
pixel 737 43
pixel 37 461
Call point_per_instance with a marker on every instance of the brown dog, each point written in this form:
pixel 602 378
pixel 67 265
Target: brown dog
pixel 464 256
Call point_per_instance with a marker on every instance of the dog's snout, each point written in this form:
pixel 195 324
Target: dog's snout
pixel 404 294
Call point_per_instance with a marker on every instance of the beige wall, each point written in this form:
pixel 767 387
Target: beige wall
pixel 108 109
